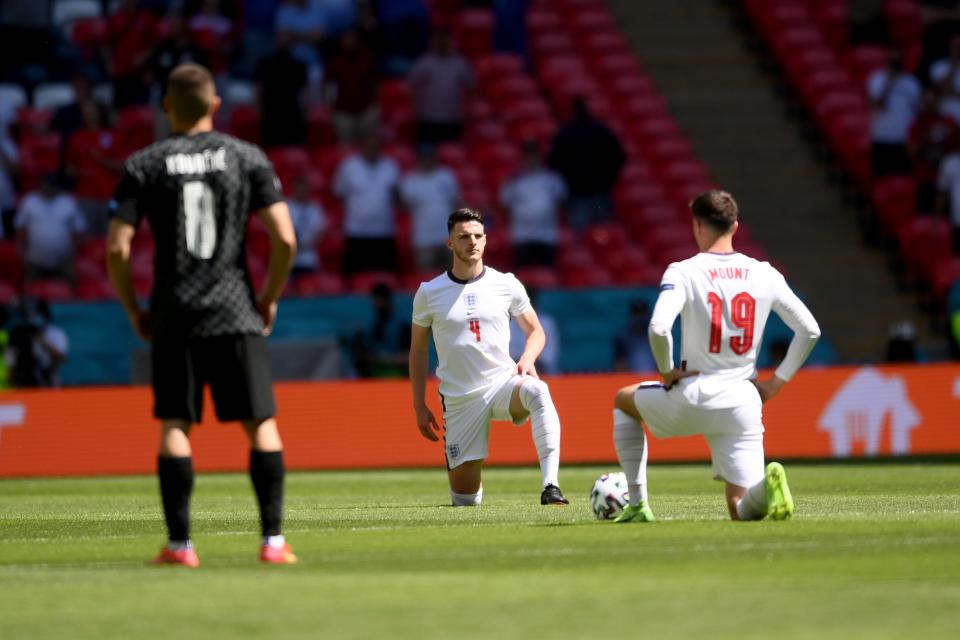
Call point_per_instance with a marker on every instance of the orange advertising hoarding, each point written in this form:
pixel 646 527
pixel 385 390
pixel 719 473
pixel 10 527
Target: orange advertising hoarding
pixel 833 412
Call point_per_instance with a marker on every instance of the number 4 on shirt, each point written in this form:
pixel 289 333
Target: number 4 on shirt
pixel 475 328
pixel 742 313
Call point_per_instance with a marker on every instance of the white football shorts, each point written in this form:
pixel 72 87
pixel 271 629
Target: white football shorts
pixel 466 422
pixel 734 434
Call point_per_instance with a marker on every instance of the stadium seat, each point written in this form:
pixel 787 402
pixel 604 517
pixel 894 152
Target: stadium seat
pixel 832 17
pixel 474 32
pixel 88 35
pixel 363 282
pixel 537 277
pixel 499 65
pixel 631 266
pixel 136 126
pixel 11 264
pixel 505 90
pixel 8 293
pixel 289 160
pixel 51 95
pixel 895 201
pixel 244 122
pixel 946 273
pixel 924 242
pixel 317 284
pixel 593 276
pixel 602 238
pixel 395 94
pixel 539 22
pixel 50 290
pixel 94 289
pixel 903 21
pixel 864 59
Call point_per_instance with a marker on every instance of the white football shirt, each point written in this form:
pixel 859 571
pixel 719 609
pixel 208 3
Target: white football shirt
pixel 724 301
pixel 470 321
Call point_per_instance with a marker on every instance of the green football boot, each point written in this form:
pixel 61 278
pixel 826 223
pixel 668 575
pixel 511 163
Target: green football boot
pixel 639 513
pixel 779 500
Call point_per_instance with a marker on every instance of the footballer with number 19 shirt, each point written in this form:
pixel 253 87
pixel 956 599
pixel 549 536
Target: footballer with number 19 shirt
pixel 723 298
pixel 205 324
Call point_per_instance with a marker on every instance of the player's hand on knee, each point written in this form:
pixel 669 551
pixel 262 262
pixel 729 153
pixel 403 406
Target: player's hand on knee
pixel 673 376
pixel 427 424
pixel 527 368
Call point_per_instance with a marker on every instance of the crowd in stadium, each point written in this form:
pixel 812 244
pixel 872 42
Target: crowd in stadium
pixel 381 116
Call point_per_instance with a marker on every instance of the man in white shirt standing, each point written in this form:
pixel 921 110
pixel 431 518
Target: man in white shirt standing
pixel 48 224
pixel 468 311
pixel 533 199
pixel 430 192
pixel 367 184
pixel 895 101
pixel 724 299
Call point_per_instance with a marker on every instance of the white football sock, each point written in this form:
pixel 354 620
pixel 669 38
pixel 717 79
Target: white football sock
pixel 467 499
pixel 276 542
pixel 631 442
pixel 753 505
pixel 179 545
pixel 544 426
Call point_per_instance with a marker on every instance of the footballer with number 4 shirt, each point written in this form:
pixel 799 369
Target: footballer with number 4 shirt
pixel 723 299
pixel 467 310
pixel 197 189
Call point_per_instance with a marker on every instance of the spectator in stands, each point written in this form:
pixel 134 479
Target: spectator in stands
pixel 533 199
pixel 353 79
pixel 381 350
pixel 309 224
pixel 589 157
pixel 902 345
pixel 895 99
pixel 442 81
pixel 132 32
pixel 430 192
pixel 302 26
pixel 38 346
pixel 69 117
pixel 49 226
pixel 948 197
pixel 405 26
pixel 282 78
pixel 932 136
pixel 549 360
pixel 945 76
pixel 174 49
pixel 93 161
pixel 9 166
pixel 631 347
pixel 941 20
pixel 367 184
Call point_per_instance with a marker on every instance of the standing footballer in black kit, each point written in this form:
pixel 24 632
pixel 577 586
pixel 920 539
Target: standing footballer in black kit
pixel 205 323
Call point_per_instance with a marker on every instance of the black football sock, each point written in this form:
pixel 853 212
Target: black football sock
pixel 267 472
pixel 176 485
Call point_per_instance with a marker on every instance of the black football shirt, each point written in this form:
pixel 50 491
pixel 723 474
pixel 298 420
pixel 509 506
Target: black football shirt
pixel 197 191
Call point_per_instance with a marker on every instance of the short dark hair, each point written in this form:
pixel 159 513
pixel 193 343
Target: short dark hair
pixel 716 208
pixel 190 90
pixel 465 214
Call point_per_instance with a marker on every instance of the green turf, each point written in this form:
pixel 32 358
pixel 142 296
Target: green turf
pixel 873 552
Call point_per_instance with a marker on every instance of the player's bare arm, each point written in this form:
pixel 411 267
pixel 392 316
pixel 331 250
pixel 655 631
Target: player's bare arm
pixel 673 376
pixel 536 338
pixel 419 360
pixel 119 241
pixel 283 249
pixel 769 388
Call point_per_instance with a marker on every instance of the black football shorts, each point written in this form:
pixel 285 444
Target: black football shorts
pixel 237 368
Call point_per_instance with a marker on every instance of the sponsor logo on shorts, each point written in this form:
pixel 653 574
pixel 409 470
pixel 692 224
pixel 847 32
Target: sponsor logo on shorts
pixel 453 450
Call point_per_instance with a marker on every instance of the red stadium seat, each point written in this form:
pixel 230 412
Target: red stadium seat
pixel 506 90
pixel 904 21
pixel 606 237
pixel 88 35
pixel 925 242
pixel 11 264
pixel 394 94
pixel 317 284
pixel 631 266
pixel 363 282
pixel 135 127
pixel 320 130
pixel 537 277
pixel 594 276
pixel 8 293
pixel 499 65
pixel 539 22
pixel 945 274
pixel 50 290
pixel 474 32
pixel 94 289
pixel 895 201
pixel 245 122
pixel 833 18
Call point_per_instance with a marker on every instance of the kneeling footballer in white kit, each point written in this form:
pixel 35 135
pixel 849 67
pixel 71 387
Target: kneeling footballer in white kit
pixel 468 311
pixel 723 299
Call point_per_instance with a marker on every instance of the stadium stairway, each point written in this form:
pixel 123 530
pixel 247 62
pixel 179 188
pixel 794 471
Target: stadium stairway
pixel 698 54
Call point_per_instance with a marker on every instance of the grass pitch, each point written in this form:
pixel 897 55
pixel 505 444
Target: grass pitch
pixel 873 552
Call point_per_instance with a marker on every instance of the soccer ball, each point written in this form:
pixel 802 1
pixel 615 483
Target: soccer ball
pixel 609 496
